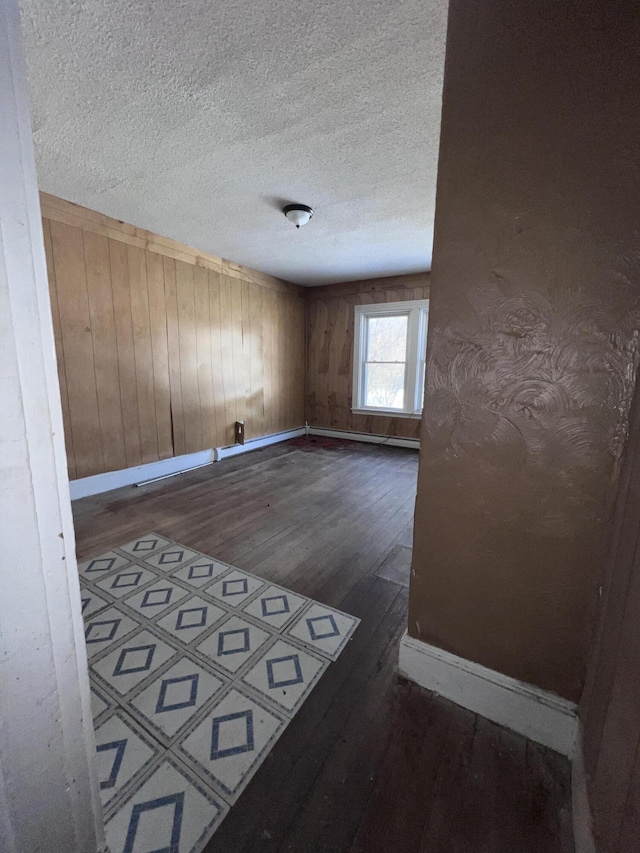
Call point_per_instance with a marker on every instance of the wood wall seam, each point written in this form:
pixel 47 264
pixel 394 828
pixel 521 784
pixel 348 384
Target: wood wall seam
pixel 59 210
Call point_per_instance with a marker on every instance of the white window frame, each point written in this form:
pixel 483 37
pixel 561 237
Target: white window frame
pixel 417 312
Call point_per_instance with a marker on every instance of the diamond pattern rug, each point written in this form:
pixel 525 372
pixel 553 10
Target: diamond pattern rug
pixel 196 668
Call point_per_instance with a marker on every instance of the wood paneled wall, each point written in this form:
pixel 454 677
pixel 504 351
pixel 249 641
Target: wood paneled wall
pixel 162 348
pixel 610 707
pixel 330 323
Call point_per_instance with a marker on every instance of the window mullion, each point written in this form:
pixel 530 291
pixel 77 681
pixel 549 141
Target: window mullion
pixel 423 317
pixel 364 330
pixel 359 356
pixel 412 360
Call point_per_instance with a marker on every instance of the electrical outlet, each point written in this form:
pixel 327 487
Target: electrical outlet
pixel 239 434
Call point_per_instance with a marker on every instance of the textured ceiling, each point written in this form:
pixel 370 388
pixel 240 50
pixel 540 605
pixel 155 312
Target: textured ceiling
pixel 199 119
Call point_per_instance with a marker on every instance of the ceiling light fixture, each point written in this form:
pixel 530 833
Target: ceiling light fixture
pixel 299 214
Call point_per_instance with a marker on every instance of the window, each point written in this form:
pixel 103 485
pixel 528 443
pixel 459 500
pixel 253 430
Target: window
pixel 389 352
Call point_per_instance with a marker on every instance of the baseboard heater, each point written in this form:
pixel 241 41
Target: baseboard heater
pixel 142 475
pixel 368 438
pixel 152 472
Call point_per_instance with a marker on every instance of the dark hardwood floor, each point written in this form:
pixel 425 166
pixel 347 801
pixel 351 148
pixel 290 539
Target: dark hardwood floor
pixel 371 762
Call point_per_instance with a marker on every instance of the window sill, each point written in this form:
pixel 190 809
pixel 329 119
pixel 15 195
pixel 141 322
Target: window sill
pixel 388 413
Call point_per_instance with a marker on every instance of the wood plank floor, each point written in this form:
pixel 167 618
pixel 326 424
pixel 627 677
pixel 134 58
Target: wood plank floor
pixel 371 763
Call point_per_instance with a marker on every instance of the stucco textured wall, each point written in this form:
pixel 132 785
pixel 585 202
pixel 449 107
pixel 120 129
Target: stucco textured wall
pixel 533 338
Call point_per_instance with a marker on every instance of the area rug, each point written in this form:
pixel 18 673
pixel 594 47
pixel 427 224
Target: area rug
pixel 196 668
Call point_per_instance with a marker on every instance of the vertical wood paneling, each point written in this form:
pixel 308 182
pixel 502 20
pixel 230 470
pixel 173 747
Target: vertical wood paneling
pixel 218 421
pixel 610 707
pixel 630 829
pixel 246 357
pixel 204 358
pixel 267 360
pixel 257 359
pixel 105 350
pixel 330 331
pixel 143 351
pixel 126 356
pixel 217 385
pixel 312 390
pixel 57 331
pixel 277 361
pixel 284 337
pixel 226 358
pixel 159 354
pixel 188 357
pixel 237 356
pixel 75 326
pixel 287 364
pixel 344 361
pixel 293 363
pixel 318 384
pixel 173 347
pixel 299 357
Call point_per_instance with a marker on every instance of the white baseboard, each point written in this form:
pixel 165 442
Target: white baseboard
pixel 580 806
pixel 541 716
pixel 99 483
pixel 391 440
pixel 256 443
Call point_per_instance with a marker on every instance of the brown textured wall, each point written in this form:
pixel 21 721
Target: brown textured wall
pixel 330 324
pixel 610 707
pixel 533 332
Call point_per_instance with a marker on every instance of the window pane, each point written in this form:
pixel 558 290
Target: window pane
pixel 387 339
pixel 384 386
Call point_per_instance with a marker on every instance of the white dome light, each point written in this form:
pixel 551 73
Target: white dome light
pixel 299 214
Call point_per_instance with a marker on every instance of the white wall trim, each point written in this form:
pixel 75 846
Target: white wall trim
pixel 388 413
pixel 580 806
pixel 98 483
pixel 256 443
pixel 49 789
pixel 541 716
pixel 370 438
